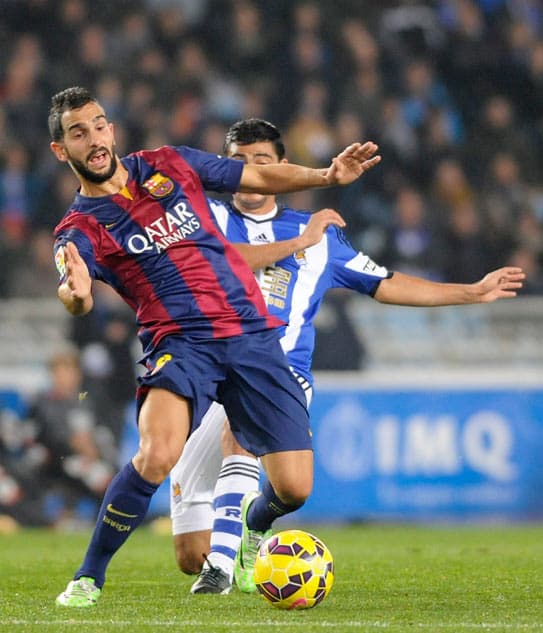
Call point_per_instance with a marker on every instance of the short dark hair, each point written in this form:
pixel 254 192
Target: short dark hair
pixel 69 99
pixel 254 131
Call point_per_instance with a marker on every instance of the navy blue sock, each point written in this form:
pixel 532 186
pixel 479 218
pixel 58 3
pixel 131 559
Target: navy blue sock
pixel 124 507
pixel 266 508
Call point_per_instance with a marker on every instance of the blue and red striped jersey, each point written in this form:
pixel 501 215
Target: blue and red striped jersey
pixel 157 244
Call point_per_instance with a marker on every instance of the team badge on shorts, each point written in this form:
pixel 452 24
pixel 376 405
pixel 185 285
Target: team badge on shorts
pixel 165 358
pixel 176 492
pixel 300 258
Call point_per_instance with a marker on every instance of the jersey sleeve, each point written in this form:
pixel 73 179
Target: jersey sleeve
pixel 353 269
pixel 84 246
pixel 217 173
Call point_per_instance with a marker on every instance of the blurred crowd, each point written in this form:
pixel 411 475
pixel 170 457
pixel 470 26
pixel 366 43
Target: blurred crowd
pixel 57 455
pixel 451 90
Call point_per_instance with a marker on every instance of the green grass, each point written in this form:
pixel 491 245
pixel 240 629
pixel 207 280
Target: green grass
pixel 388 578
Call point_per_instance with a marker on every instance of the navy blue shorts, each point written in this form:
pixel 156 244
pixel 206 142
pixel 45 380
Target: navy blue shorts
pixel 248 375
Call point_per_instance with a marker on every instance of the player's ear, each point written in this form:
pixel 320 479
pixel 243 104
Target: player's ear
pixel 284 160
pixel 59 151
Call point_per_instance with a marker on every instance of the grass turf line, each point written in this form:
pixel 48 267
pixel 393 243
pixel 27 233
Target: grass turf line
pixel 388 578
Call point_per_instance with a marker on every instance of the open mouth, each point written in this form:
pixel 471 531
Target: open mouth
pixel 99 158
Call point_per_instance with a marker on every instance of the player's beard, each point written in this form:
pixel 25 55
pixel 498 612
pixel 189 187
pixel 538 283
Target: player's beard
pixel 90 175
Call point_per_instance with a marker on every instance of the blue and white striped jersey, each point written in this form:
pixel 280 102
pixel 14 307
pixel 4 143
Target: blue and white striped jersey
pixel 295 286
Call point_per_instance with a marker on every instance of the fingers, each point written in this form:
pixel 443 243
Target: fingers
pixel 509 294
pixel 356 159
pixel 359 151
pixel 511 280
pixel 366 151
pixel 319 222
pixel 71 252
pixel 511 272
pixel 327 217
pixel 368 164
pixel 74 269
pixel 506 276
pixel 350 150
pixel 333 217
pixel 330 215
pixel 511 286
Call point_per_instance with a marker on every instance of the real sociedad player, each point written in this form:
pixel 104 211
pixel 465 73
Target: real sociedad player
pixel 142 224
pixel 208 520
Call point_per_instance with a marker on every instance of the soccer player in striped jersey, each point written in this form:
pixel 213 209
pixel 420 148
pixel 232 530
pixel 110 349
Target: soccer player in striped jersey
pixel 214 522
pixel 142 224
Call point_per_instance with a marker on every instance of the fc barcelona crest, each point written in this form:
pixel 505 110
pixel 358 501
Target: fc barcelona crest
pixel 158 185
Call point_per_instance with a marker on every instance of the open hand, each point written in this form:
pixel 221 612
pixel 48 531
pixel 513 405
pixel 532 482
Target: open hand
pixel 502 283
pixel 352 162
pixel 78 279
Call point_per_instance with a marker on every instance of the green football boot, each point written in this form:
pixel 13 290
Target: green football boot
pixel 79 593
pixel 248 549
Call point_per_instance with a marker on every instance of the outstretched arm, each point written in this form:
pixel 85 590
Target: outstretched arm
pixel 75 292
pixel 262 255
pixel 407 290
pixel 346 167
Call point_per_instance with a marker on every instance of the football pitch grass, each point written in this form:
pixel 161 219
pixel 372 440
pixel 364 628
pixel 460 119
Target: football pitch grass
pixel 394 579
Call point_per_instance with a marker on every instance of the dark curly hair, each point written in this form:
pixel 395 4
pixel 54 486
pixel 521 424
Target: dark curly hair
pixel 69 99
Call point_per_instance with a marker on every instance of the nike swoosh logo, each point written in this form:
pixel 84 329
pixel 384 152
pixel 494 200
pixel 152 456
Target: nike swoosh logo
pixel 109 226
pixel 111 509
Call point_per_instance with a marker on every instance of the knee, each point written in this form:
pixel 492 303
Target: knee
pixel 188 563
pixel 293 493
pixel 291 475
pixel 154 461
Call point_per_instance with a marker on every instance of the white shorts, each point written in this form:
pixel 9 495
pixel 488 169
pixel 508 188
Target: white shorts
pixel 193 478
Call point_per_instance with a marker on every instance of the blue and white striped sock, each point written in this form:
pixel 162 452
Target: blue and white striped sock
pixel 239 475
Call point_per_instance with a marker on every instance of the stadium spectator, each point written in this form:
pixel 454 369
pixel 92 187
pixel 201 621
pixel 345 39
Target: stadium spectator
pixel 412 246
pixel 450 185
pixel 468 249
pixel 348 352
pixel 21 489
pixel 172 67
pixel 35 274
pixel 106 338
pixel 19 186
pixel 310 134
pixel 532 263
pixel 498 131
pixel 77 459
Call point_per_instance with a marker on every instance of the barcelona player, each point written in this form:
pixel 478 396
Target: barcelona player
pixel 211 518
pixel 142 224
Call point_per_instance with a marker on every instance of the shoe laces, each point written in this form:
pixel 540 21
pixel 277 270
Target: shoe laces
pixel 254 539
pixel 211 573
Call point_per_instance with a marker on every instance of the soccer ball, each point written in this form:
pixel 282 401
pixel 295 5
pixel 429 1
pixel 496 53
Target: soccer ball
pixel 294 570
